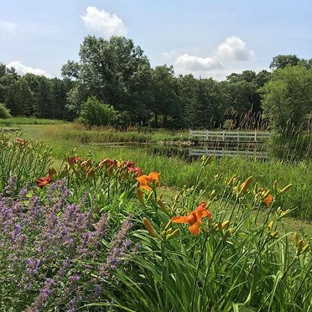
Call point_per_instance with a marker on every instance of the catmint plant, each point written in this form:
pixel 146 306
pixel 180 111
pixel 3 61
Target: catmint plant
pixel 51 249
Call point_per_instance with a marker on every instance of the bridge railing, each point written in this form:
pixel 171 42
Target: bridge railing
pixel 212 135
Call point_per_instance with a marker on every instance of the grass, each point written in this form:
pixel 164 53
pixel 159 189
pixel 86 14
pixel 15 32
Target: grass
pixel 80 244
pixel 67 138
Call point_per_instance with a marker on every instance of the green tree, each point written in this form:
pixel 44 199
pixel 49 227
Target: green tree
pixel 94 113
pixel 186 90
pixel 245 100
pixel 43 98
pixel 60 89
pixel 115 71
pixel 4 111
pixel 287 98
pixel 19 98
pixel 166 102
pixel 281 61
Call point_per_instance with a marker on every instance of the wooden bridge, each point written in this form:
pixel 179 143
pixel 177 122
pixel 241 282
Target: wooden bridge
pixel 229 143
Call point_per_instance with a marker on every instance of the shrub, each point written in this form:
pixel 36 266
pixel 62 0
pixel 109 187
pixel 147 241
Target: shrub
pixel 4 111
pixel 94 113
pixel 51 250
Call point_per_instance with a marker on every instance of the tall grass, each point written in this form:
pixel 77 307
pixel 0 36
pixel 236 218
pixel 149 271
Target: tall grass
pixel 13 121
pixel 69 139
pixel 99 235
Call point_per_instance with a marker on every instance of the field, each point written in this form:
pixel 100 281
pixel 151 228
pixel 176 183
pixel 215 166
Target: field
pixel 88 225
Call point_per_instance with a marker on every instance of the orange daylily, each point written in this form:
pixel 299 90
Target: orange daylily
pixel 41 182
pixel 194 219
pixel 268 200
pixel 266 196
pixel 145 180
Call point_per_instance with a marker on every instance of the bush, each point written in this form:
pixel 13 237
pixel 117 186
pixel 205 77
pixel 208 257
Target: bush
pixel 4 112
pixel 51 250
pixel 95 113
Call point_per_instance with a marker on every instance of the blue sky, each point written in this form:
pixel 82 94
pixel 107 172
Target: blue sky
pixel 207 38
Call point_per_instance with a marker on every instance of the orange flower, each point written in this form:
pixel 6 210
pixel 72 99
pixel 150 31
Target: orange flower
pixel 266 196
pixel 194 219
pixel 268 200
pixel 41 182
pixel 72 160
pixel 146 180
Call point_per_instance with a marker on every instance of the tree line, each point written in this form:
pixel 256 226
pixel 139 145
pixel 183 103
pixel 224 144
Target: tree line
pixel 114 83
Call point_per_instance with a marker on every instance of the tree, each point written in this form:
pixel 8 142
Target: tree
pixel 94 113
pixel 4 111
pixel 165 95
pixel 186 90
pixel 43 97
pixel 281 61
pixel 19 98
pixel 60 89
pixel 287 98
pixel 245 100
pixel 114 71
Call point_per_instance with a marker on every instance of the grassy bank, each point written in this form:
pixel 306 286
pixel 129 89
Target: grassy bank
pixel 67 139
pixel 104 235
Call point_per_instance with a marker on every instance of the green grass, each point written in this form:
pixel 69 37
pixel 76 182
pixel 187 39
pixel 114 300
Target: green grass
pixel 14 121
pixel 67 138
pixel 243 256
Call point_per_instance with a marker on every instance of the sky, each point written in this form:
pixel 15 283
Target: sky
pixel 206 38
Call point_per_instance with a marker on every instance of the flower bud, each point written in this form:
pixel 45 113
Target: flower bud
pixel 150 228
pixel 285 189
pixel 306 248
pixel 296 238
pixel 274 234
pixel 173 234
pixel 269 228
pixel 162 205
pixel 140 196
pixel 245 185
pixel 225 224
pixel 275 186
pixel 230 182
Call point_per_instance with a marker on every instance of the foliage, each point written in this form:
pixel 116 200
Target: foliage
pixel 287 99
pixel 99 236
pixel 236 262
pixel 292 147
pixel 50 250
pixel 115 71
pixel 22 159
pixel 4 112
pixel 94 113
pixel 181 171
pixel 281 61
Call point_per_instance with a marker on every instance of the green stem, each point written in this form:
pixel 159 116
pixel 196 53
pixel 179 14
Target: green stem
pixel 197 271
pixel 163 262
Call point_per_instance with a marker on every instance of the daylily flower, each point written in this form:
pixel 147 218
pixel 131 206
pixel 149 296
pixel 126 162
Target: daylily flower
pixel 265 196
pixel 20 141
pixel 131 168
pixel 268 200
pixel 146 180
pixel 106 162
pixel 41 182
pixel 72 160
pixel 194 219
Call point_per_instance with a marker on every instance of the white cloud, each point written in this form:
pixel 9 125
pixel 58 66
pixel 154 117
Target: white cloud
pixel 197 63
pixel 22 69
pixel 103 22
pixel 234 49
pixel 8 27
pixel 220 63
